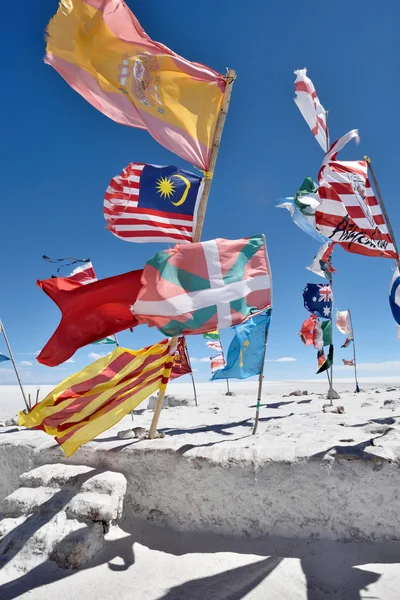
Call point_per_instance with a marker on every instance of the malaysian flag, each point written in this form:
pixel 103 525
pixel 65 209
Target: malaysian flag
pixel 349 213
pixel 147 203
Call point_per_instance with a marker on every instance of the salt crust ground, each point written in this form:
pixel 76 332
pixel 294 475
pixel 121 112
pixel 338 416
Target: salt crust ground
pixel 305 475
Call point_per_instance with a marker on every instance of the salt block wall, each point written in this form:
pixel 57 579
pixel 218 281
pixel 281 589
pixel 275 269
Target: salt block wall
pixel 238 492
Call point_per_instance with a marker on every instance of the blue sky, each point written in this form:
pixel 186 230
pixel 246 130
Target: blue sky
pixel 59 153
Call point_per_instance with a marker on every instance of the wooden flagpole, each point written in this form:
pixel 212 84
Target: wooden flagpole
pixel 354 352
pixel 383 207
pixel 230 78
pixel 3 331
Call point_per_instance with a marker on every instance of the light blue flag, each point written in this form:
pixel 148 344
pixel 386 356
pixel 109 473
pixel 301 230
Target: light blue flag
pixel 305 222
pixel 246 351
pixel 3 358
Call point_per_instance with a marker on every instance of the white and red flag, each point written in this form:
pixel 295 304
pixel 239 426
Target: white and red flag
pixel 84 274
pixel 349 213
pixel 310 107
pixel 348 363
pixel 217 362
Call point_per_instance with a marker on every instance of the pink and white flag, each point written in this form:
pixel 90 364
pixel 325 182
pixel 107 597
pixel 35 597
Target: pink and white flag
pixel 310 107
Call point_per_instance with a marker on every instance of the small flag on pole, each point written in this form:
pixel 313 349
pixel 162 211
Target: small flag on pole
pixel 348 363
pixel 310 107
pixel 181 362
pixel 217 363
pixel 4 358
pixel 324 362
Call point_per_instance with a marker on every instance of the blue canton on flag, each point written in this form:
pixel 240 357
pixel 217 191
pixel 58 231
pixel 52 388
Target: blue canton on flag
pixel 148 203
pixel 318 299
pixel 246 351
pixel 394 296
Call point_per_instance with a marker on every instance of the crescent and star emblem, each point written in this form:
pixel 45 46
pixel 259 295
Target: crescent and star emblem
pixel 166 188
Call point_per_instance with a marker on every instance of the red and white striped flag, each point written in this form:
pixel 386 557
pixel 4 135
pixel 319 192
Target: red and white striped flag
pixel 217 362
pixel 349 213
pixel 84 274
pixel 348 363
pixel 146 203
pixel 311 108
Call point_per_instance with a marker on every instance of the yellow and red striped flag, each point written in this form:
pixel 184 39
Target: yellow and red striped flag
pixel 93 400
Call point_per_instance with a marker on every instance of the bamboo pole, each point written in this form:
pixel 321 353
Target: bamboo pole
pixel 230 78
pixel 3 331
pixel 354 352
pixel 260 384
pixel 383 207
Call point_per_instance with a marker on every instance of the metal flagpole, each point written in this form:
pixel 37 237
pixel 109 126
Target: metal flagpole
pixel 354 352
pixel 383 207
pixel 260 384
pixel 3 331
pixel 191 372
pixel 331 391
pixel 230 78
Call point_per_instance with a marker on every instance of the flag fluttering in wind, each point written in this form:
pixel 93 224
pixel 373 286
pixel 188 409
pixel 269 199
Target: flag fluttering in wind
pixel 324 362
pixel 347 342
pixel 217 363
pixel 311 108
pixel 343 322
pixel 146 203
pixel 349 213
pixel 213 340
pixel 181 361
pixel 316 332
pixel 84 275
pixel 246 351
pixel 196 288
pixel 214 345
pixel 302 208
pixel 394 296
pixel 321 264
pixel 4 358
pixel 93 400
pixel 318 299
pixel 348 363
pixel 212 335
pixel 88 312
pixel 100 49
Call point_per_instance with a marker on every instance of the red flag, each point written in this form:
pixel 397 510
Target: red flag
pixel 307 331
pixel 181 363
pixel 89 312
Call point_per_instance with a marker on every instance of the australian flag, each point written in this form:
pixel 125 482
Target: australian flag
pixel 147 203
pixel 318 299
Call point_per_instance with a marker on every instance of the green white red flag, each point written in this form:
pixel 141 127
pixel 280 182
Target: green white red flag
pixel 197 288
